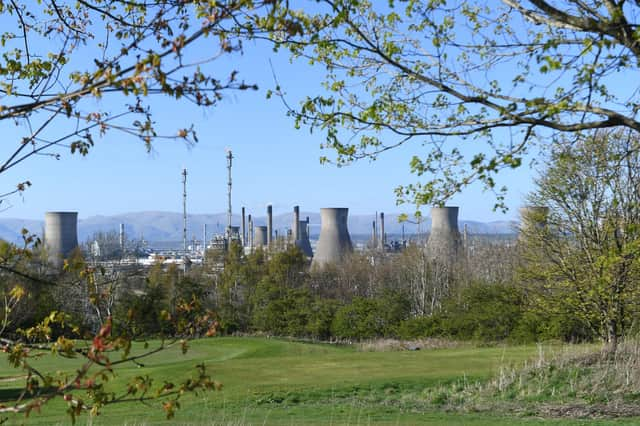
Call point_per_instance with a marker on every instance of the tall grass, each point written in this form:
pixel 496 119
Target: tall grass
pixel 575 381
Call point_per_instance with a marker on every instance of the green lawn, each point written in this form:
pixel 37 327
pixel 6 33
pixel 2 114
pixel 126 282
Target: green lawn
pixel 269 381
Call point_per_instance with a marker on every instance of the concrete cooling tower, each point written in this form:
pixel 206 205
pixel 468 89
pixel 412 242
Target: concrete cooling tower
pixel 260 236
pixel 334 242
pixel 60 235
pixel 533 216
pixel 444 240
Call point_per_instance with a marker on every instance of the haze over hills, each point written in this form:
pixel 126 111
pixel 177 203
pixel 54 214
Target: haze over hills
pixel 167 226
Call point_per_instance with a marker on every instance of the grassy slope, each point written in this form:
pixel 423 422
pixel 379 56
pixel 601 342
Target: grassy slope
pixel 277 382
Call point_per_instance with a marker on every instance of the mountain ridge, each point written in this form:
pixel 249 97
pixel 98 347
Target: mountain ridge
pixel 167 226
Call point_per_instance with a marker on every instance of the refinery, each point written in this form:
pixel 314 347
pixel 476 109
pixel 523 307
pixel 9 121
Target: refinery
pixel 334 241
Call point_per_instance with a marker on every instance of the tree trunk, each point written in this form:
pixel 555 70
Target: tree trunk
pixel 612 338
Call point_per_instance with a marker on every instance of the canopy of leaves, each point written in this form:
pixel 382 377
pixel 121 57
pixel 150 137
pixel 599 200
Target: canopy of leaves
pixel 586 253
pixel 72 70
pixel 472 84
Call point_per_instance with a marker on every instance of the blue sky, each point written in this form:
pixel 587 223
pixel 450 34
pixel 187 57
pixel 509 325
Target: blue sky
pixel 274 163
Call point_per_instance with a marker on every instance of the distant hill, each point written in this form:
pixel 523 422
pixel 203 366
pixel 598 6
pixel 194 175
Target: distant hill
pixel 167 226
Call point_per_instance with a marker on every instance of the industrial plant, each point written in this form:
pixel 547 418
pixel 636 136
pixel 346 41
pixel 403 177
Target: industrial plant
pixel 333 244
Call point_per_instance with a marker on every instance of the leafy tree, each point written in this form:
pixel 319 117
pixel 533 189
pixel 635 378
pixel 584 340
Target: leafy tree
pixel 235 285
pixel 476 83
pixel 71 71
pixel 586 258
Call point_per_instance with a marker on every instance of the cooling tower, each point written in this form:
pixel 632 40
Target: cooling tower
pixel 260 236
pixel 334 242
pixel 60 235
pixel 303 242
pixel 444 240
pixel 533 216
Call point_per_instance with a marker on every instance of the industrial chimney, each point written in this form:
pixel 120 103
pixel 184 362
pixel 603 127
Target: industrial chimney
pixel 60 235
pixel 303 242
pixel 295 228
pixel 383 237
pixel 250 234
pixel 243 237
pixel 334 242
pixel 122 237
pixel 269 224
pixel 444 240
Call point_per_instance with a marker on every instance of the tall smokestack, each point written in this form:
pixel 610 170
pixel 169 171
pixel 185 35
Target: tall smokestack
pixel 303 242
pixel 269 224
pixel 374 234
pixel 122 239
pixel 243 237
pixel 250 222
pixel 383 238
pixel 444 241
pixel 60 235
pixel 295 228
pixel 334 242
pixel 204 240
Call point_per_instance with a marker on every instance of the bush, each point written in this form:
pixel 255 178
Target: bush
pixel 421 327
pixel 483 312
pixel 368 318
pixel 536 325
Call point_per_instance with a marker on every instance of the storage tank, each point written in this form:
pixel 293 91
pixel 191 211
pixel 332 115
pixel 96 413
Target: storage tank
pixel 60 236
pixel 444 240
pixel 334 242
pixel 260 236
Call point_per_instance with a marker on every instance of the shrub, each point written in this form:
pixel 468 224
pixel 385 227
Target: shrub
pixel 420 327
pixel 483 312
pixel 368 318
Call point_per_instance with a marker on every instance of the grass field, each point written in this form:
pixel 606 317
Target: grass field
pixel 269 381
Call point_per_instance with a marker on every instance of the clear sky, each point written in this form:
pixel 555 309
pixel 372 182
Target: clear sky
pixel 274 163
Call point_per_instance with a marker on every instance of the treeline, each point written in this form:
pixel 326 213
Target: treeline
pixel 481 297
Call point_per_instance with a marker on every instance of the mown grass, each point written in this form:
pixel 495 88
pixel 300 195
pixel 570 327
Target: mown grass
pixel 270 381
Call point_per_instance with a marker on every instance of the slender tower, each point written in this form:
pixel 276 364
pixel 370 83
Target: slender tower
pixel 122 240
pixel 295 228
pixel 250 235
pixel 184 211
pixel 243 237
pixel 204 240
pixel 229 212
pixel 269 224
pixel 374 235
pixel 383 237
